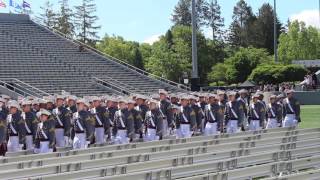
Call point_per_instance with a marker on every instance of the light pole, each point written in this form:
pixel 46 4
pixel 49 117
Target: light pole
pixel 275 43
pixel 194 76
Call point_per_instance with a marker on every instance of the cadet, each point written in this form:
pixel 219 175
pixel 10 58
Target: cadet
pixel 291 110
pixel 153 121
pixel 274 113
pixel 100 115
pixel 233 114
pixel 35 106
pixel 44 141
pixel 136 118
pixel 3 127
pixel 15 125
pixel 213 116
pixel 243 99
pixel 111 109
pixel 188 121
pixel 124 127
pixel 256 114
pixel 72 104
pixel 83 126
pixel 63 123
pixel 199 114
pixel 31 124
pixel 164 105
pixel 142 108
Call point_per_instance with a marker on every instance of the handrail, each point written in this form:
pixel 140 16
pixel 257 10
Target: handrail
pixel 123 84
pixel 15 88
pixel 100 53
pixel 122 90
pixel 28 85
pixel 43 92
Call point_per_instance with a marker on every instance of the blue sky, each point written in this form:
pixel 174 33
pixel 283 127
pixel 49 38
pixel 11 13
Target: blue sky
pixel 145 20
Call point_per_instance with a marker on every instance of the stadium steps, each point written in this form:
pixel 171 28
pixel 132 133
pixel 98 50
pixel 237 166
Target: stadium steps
pixel 254 154
pixel 89 62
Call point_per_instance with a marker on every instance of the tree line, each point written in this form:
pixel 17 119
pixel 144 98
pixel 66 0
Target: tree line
pixel 242 51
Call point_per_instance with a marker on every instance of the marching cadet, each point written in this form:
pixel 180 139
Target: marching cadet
pixel 222 97
pixel 280 99
pixel 83 125
pixel 136 118
pixel 164 105
pixel 71 103
pixel 44 141
pixel 15 127
pixel 199 114
pixel 213 116
pixel 30 123
pixel 3 127
pixel 63 122
pixel 202 101
pixel 274 113
pixel 50 103
pixel 260 99
pixel 188 121
pixel 256 114
pixel 101 116
pixel 291 110
pixel 124 127
pixel 243 99
pixel 142 108
pixel 35 106
pixel 152 121
pixel 233 113
pixel 111 109
pixel 174 99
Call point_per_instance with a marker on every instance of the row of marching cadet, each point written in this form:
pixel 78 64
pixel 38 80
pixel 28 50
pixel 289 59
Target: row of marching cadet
pixel 42 125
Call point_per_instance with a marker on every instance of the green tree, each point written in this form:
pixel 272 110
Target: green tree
pixel 299 43
pixel 64 19
pixel 218 73
pixel 214 19
pixel 240 65
pixel 264 27
pixel 48 17
pixel 182 13
pixel 85 21
pixel 241 29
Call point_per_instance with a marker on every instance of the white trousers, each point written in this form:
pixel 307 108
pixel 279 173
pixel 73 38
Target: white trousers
pixel 290 121
pixel 121 137
pixel 44 148
pixel 151 135
pixel 13 144
pixel 184 131
pixel 99 135
pixel 60 140
pixel 232 126
pixel 272 123
pixel 254 125
pixel 29 142
pixel 79 141
pixel 165 131
pixel 211 129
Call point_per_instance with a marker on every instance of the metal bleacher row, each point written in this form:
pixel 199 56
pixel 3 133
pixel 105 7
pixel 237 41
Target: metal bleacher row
pixel 48 61
pixel 275 154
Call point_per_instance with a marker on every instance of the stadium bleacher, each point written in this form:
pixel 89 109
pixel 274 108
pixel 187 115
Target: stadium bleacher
pixel 46 60
pixel 288 152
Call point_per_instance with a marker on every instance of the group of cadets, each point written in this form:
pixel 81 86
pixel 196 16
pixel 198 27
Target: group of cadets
pixel 42 125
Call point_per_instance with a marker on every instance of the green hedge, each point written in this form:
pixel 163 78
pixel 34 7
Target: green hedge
pixel 277 73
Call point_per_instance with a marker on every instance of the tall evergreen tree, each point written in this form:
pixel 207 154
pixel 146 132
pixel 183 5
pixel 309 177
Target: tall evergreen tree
pixel 241 28
pixel 182 13
pixel 85 21
pixel 264 25
pixel 214 19
pixel 64 20
pixel 48 17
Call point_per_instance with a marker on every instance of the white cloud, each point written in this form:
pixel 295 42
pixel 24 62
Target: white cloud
pixel 310 17
pixel 152 39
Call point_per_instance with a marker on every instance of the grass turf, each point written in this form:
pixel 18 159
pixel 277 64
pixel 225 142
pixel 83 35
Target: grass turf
pixel 310 116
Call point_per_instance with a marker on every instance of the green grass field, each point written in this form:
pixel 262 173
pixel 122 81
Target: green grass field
pixel 310 116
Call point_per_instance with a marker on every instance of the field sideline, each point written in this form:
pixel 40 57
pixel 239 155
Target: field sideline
pixel 310 116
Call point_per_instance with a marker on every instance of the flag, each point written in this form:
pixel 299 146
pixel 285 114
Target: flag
pixel 2 4
pixel 25 5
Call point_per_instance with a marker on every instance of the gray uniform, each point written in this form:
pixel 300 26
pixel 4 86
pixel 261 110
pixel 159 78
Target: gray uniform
pixel 256 116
